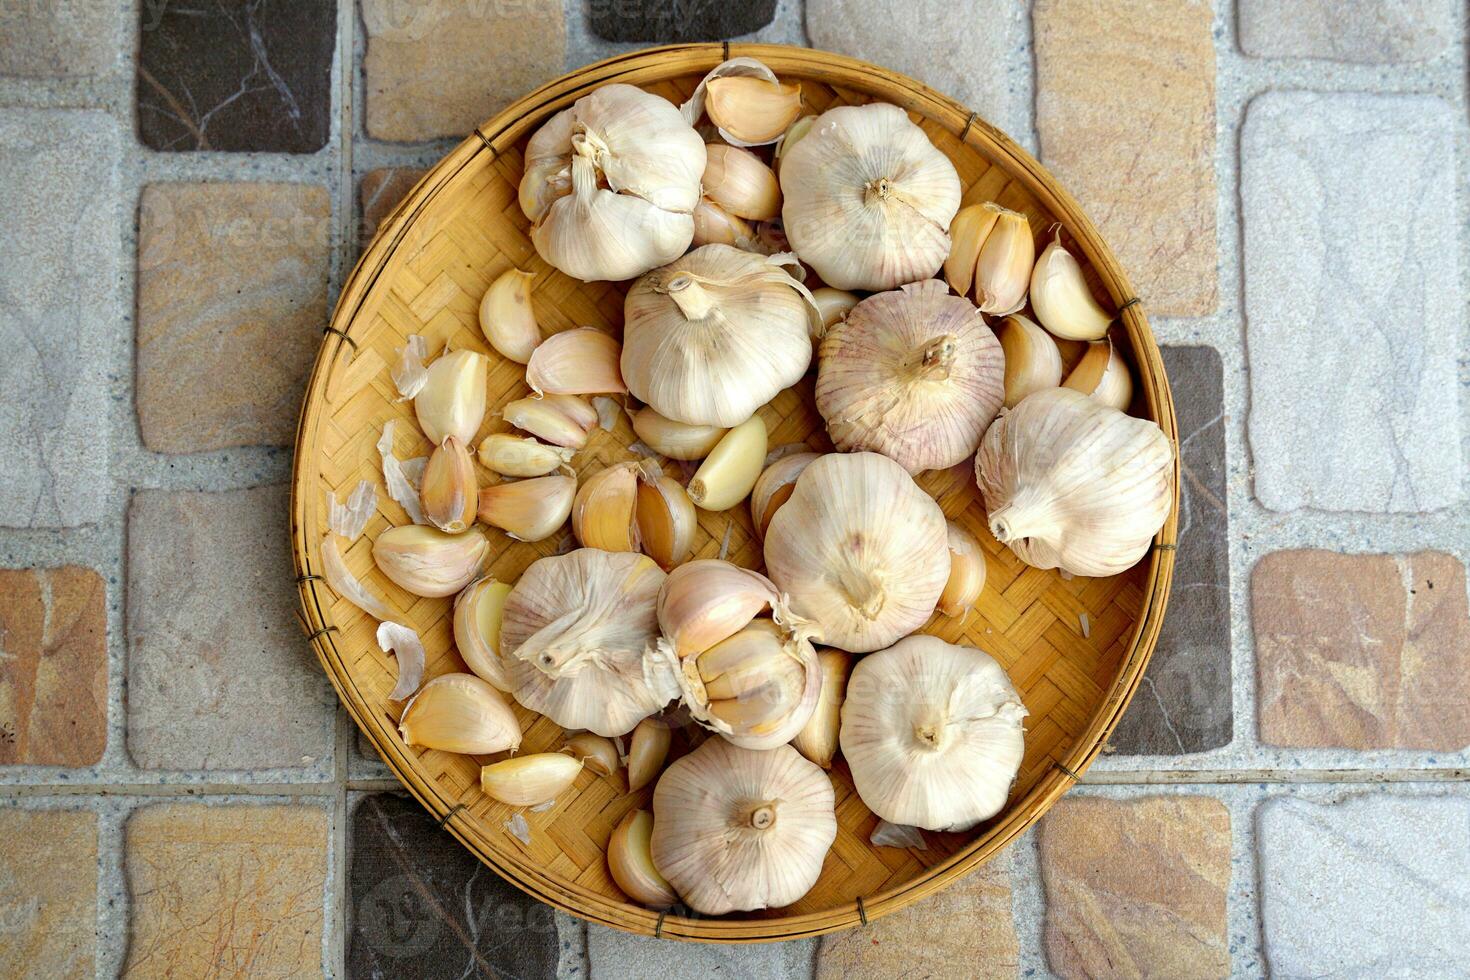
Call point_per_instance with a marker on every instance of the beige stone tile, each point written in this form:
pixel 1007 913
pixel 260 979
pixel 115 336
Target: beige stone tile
pixel 48 893
pixel 53 666
pixel 1136 888
pixel 1125 112
pixel 1362 651
pixel 232 299
pixel 58 38
pixel 225 890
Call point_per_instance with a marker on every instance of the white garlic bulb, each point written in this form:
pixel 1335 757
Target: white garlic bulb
pixel 611 184
pixel 859 550
pixel 914 374
pixel 573 637
pixel 737 829
pixel 1071 483
pixel 932 733
pixel 713 336
pixel 868 199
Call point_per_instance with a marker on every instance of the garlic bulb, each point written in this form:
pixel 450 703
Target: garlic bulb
pixel 506 317
pixel 1102 374
pixel 573 637
pixel 817 739
pixel 966 572
pixel 1032 359
pixel 868 199
pixel 1070 483
pixel 460 713
pixel 429 562
pixel 477 613
pixel 676 440
pixel 740 184
pixel 932 733
pixel 610 183
pixel 709 600
pixel 994 250
pixel 914 374
pixel 452 400
pixel 1061 298
pixel 710 338
pixel 736 829
pixel 860 550
pixel 774 488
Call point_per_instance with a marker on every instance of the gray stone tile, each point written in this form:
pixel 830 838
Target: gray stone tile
pixel 58 38
pixel 58 311
pixel 1353 301
pixel 1372 886
pixel 1184 704
pixel 615 955
pixel 1368 31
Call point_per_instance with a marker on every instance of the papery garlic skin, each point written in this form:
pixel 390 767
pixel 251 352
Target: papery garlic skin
pixel 1061 298
pixel 868 199
pixel 860 550
pixel 1071 483
pixel 932 734
pixel 477 614
pixel 429 562
pixel 736 829
pixel 452 400
pixel 914 374
pixel 460 713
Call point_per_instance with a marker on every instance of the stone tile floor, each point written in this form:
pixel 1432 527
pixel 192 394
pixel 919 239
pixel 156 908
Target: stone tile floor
pixel 187 185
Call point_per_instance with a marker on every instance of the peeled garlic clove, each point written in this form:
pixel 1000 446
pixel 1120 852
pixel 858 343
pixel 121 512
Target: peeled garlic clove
pixel 966 572
pixel 676 440
pixel 1061 298
pixel 666 519
pixel 630 861
pixel 452 400
pixel 604 514
pixel 429 562
pixel 833 305
pixel 557 419
pixel 460 713
pixel 647 752
pixel 448 490
pixel 583 361
pixel 1071 483
pixel 817 739
pixel 774 487
pixel 477 613
pixel 1032 359
pixel 713 225
pixel 1003 270
pixel 506 317
pixel 598 754
pixel 730 470
pixel 706 601
pixel 793 135
pixel 1103 374
pixel 751 110
pixel 511 455
pixel 970 228
pixel 740 183
pixel 530 780
pixel 529 510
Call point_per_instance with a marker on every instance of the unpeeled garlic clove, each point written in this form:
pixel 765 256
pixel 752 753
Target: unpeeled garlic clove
pixel 706 601
pixel 1032 360
pixel 452 400
pixel 1003 270
pixel 774 487
pixel 429 562
pixel 530 780
pixel 596 752
pixel 676 440
pixel 460 713
pixel 647 752
pixel 448 489
pixel 557 419
pixel 529 510
pixel 792 136
pixel 1061 298
pixel 604 514
pixel 583 361
pixel 817 739
pixel 968 231
pixel 729 472
pixel 713 225
pixel 739 183
pixel 833 305
pixel 630 861
pixel 751 110
pixel 506 317
pixel 1102 374
pixel 966 572
pixel 666 518
pixel 477 613
pixel 518 456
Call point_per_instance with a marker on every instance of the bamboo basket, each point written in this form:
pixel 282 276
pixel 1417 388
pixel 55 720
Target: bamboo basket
pixel 1076 649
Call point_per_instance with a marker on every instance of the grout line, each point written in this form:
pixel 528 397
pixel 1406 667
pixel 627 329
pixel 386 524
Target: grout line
pixel 1227 777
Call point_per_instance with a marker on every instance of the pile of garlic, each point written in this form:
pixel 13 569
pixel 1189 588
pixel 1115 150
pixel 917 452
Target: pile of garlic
pixel 773 251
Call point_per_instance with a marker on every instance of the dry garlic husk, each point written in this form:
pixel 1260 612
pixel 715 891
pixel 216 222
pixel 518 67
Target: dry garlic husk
pixel 710 338
pixel 529 510
pixel 408 650
pixel 610 183
pixel 648 749
pixel 667 521
pixel 737 829
pixel 868 199
pixel 605 513
pixel 562 420
pixel 506 317
pixel 757 688
pixel 598 754
pixel 521 456
pixel 817 739
pixel 630 861
pixel 1070 483
pixel 966 572
pixel 859 549
pixel 708 600
pixel 530 780
pixel 430 562
pixel 1032 359
pixel 452 400
pixel 729 472
pixel 573 637
pixel 713 225
pixel 994 251
pixel 833 305
pixel 1103 374
pixel 932 733
pixel 914 374
pixel 460 713
pixel 448 490
pixel 349 586
pixel 740 183
pixel 583 361
pixel 477 614
pixel 774 488
pixel 1061 298
pixel 676 440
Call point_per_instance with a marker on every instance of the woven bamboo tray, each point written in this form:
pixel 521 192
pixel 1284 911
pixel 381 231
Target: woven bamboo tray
pixel 1076 649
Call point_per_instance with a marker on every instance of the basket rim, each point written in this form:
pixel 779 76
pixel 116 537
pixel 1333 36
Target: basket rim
pixel 506 128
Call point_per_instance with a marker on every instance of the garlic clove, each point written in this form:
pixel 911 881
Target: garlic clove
pixel 729 472
pixel 429 562
pixel 966 572
pixel 647 752
pixel 817 739
pixel 518 456
pixel 793 135
pixel 833 305
pixel 968 231
pixel 1003 270
pixel 1032 359
pixel 706 601
pixel 556 419
pixel 530 780
pixel 630 862
pixel 506 317
pixel 676 440
pixel 604 514
pixel 460 713
pixel 529 510
pixel 751 110
pixel 477 613
pixel 737 181
pixel 1103 374
pixel 596 752
pixel 774 486
pixel 452 400
pixel 583 361
pixel 757 688
pixel 713 225
pixel 448 490
pixel 1061 298
pixel 666 518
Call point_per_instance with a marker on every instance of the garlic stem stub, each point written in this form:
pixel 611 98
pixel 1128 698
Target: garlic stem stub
pixel 1103 374
pixel 1032 359
pixel 676 440
pixel 1061 298
pixel 817 739
pixel 506 317
pixel 477 613
pixel 966 572
pixel 729 472
pixel 630 862
pixel 562 420
pixel 582 361
pixel 519 456
pixel 449 490
pixel 530 780
pixel 429 562
pixel 529 510
pixel 452 400
pixel 647 751
pixel 460 713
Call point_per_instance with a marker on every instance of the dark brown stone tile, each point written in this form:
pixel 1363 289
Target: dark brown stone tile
pixel 689 20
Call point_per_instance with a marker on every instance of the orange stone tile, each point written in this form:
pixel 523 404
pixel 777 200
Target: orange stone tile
pixel 48 893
